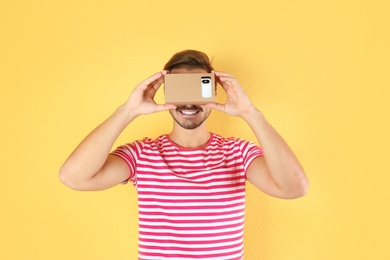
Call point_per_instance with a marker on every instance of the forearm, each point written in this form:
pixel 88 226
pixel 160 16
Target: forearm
pixel 279 171
pixel 281 162
pixel 90 155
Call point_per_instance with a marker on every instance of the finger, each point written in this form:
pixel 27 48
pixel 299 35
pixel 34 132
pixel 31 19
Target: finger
pixel 228 79
pixel 153 87
pixel 221 73
pixel 216 106
pixel 164 107
pixel 227 83
pixel 223 77
pixel 157 83
pixel 155 77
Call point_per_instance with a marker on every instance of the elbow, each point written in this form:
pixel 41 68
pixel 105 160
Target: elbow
pixel 301 188
pixel 305 184
pixel 296 193
pixel 67 178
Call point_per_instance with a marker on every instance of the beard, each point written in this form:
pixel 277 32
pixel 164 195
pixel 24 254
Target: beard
pixel 189 123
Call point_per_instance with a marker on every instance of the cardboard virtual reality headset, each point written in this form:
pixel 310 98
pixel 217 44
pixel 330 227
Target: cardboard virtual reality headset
pixel 189 89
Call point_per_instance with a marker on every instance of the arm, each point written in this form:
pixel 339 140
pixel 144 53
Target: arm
pixel 90 167
pixel 278 172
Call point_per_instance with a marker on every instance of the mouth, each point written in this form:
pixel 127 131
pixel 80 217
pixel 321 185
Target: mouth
pixel 189 110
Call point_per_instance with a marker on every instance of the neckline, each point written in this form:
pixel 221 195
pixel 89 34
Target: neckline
pixel 212 135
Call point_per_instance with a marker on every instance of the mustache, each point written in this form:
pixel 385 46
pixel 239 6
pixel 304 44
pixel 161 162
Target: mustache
pixel 189 107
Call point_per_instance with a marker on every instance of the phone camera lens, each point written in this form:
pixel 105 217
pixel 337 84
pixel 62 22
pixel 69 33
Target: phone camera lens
pixel 205 81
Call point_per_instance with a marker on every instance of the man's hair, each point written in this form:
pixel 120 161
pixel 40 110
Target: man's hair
pixel 189 59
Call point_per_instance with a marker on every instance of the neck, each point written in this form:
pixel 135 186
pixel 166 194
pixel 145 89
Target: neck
pixel 194 138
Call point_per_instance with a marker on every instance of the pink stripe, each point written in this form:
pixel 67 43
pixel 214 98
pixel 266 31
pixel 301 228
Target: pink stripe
pixel 191 256
pixel 193 249
pixel 180 194
pixel 190 214
pixel 190 235
pixel 190 221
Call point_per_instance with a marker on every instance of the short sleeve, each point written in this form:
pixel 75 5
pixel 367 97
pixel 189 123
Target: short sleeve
pixel 250 151
pixel 130 154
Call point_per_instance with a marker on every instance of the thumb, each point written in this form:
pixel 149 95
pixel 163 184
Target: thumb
pixel 216 106
pixel 163 107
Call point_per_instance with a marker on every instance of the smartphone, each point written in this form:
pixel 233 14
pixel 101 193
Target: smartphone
pixel 189 89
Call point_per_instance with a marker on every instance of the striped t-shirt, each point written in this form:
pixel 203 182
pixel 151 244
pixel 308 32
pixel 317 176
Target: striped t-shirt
pixel 191 202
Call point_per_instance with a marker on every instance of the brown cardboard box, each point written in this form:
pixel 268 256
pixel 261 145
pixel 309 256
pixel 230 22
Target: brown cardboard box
pixel 189 89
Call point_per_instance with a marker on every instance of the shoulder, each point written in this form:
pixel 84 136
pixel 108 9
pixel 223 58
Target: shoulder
pixel 235 143
pixel 228 141
pixel 147 141
pixel 160 141
pixel 137 145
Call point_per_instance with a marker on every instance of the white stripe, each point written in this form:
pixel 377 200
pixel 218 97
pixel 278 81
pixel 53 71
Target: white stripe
pixel 200 245
pixel 209 164
pixel 193 183
pixel 205 203
pixel 237 236
pixel 211 150
pixel 196 244
pixel 193 232
pixel 157 216
pixel 192 157
pixel 209 252
pixel 141 256
pixel 197 211
pixel 206 191
pixel 199 198
pixel 211 224
pixel 167 174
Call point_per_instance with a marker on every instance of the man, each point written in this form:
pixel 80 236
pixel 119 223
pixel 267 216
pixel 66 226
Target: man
pixel 190 183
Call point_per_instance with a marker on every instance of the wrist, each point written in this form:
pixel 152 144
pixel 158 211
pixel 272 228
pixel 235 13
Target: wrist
pixel 252 113
pixel 254 117
pixel 126 113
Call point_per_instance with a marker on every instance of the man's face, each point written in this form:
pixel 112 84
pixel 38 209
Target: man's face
pixel 189 116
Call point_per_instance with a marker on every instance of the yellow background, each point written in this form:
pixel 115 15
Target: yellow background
pixel 317 69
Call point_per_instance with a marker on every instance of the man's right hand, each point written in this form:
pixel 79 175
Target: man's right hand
pixel 90 167
pixel 141 100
